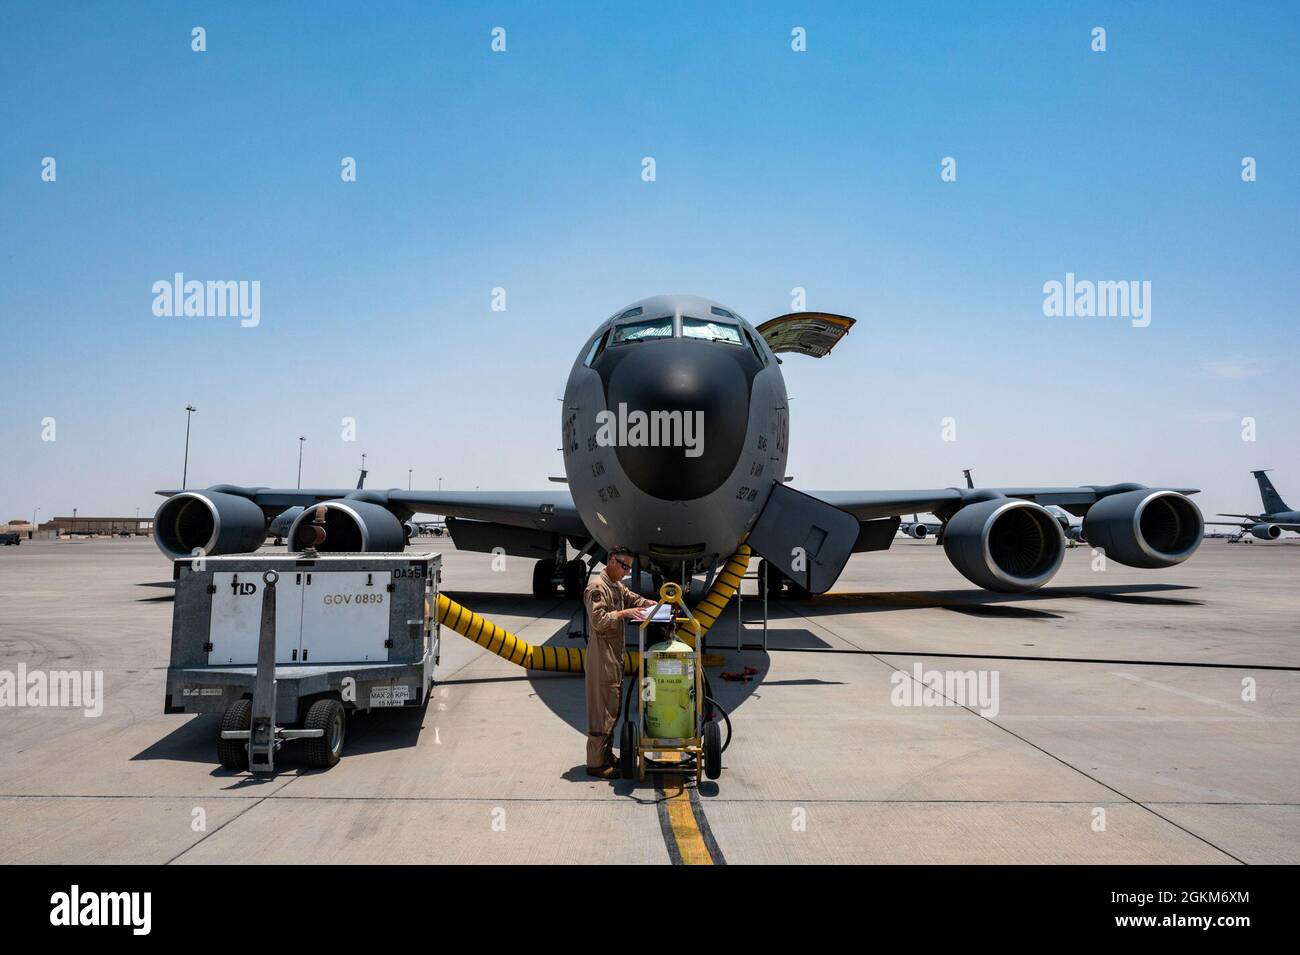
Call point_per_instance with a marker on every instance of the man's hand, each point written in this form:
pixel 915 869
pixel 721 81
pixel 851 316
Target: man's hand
pixel 631 613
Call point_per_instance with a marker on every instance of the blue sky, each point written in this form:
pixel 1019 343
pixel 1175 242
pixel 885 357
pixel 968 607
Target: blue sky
pixel 522 169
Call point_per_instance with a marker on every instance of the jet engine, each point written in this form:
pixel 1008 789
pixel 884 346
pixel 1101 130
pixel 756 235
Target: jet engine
pixel 1004 544
pixel 1145 527
pixel 1266 532
pixel 916 531
pixel 347 526
pixel 211 522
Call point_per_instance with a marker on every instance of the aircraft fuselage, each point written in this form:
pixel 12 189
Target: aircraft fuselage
pixel 675 428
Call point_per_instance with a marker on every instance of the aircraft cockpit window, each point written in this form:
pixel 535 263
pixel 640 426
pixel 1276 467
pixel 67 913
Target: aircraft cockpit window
pixel 758 352
pixel 710 331
pixel 640 331
pixel 597 347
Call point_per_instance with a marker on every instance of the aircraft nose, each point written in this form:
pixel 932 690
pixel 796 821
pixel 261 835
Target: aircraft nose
pixel 677 413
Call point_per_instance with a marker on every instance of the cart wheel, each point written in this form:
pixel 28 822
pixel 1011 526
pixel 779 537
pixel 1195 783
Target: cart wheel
pixel 328 715
pixel 712 750
pixel 233 753
pixel 628 742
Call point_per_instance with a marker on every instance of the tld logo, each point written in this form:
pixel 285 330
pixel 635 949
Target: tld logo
pixel 242 589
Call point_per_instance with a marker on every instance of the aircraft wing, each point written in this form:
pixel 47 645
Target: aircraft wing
pixel 545 510
pixel 872 505
pixel 542 510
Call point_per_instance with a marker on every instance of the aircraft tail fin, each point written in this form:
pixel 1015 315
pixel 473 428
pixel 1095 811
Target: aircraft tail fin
pixel 1268 494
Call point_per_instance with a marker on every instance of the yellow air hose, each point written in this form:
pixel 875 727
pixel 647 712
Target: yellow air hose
pixel 520 652
pixel 715 601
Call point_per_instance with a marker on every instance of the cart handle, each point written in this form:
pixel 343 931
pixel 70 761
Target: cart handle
pixel 671 593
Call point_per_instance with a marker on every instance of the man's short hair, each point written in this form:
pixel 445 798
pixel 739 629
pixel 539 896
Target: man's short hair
pixel 620 552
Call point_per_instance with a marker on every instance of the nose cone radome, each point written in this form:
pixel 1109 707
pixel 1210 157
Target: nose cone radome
pixel 677 413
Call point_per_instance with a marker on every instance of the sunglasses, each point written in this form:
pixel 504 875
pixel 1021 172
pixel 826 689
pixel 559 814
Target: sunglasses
pixel 624 563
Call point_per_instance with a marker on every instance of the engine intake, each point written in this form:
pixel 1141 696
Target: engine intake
pixel 1266 532
pixel 350 527
pixel 1006 545
pixel 1145 528
pixel 210 522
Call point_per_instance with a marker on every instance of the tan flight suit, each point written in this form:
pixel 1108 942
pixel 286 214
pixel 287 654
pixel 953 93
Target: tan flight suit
pixel 604 670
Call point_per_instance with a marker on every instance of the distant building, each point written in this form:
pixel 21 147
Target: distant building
pixel 136 526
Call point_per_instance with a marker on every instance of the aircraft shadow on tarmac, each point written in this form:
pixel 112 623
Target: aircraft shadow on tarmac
pixel 165 598
pixel 982 603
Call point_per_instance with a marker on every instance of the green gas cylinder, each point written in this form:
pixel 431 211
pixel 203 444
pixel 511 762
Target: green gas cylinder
pixel 670 691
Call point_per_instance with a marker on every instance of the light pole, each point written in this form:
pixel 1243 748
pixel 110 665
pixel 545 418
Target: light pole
pixel 408 478
pixel 301 439
pixel 185 473
pixel 439 484
pixel 34 510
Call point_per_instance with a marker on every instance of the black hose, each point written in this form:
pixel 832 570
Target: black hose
pixel 726 719
pixel 710 701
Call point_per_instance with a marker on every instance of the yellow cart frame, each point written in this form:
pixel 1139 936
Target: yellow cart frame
pixel 671 755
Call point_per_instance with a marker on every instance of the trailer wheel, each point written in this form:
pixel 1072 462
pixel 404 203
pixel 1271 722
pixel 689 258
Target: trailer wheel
pixel 328 715
pixel 627 749
pixel 233 753
pixel 712 750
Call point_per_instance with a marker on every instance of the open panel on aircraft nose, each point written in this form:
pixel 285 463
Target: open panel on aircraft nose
pixel 808 333
pixel 808 540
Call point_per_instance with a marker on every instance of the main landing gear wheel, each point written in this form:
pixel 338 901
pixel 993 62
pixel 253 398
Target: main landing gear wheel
pixel 712 750
pixel 628 742
pixel 575 579
pixel 330 716
pixel 233 753
pixel 544 579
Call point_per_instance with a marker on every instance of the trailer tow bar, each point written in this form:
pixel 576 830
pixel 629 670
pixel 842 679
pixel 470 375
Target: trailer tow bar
pixel 263 736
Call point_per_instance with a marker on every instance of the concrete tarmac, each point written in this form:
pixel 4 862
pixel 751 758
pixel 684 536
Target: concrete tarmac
pixel 1128 717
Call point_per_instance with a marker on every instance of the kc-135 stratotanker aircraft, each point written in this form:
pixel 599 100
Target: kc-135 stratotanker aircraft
pixel 675 433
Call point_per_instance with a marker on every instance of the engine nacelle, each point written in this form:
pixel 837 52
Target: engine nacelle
pixel 1266 532
pixel 1004 544
pixel 1075 533
pixel 211 522
pixel 1145 527
pixel 915 531
pixel 350 527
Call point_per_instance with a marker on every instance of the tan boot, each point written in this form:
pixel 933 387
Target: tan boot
pixel 602 772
